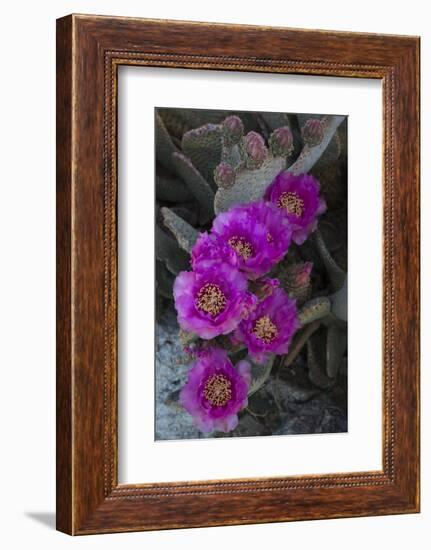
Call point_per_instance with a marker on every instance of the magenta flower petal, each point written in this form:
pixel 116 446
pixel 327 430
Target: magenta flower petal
pixel 212 299
pixel 299 199
pixel 278 230
pixel 211 247
pixel 270 326
pixel 243 367
pixel 258 234
pixel 216 391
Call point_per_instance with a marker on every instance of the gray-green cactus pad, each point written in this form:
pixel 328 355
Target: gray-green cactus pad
pixel 250 185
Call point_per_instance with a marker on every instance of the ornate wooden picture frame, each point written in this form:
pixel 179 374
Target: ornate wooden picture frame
pixel 89 51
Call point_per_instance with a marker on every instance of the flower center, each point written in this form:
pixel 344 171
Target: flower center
pixel 210 299
pixel 241 246
pixel 291 202
pixel 218 390
pixel 269 238
pixel 265 329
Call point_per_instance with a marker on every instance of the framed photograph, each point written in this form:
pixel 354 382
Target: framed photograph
pixel 237 274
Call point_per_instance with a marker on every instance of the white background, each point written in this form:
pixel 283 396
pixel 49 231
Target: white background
pixel 141 458
pixel 27 121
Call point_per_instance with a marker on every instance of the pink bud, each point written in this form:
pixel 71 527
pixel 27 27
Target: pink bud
pixel 233 129
pixel 281 141
pixel 298 281
pixel 312 132
pixel 255 148
pixel 224 175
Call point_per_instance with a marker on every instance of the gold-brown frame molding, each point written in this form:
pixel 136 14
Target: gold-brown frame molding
pixel 89 51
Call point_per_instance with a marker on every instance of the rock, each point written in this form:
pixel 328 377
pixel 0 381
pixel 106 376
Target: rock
pixel 315 416
pixel 303 409
pixel 333 421
pixel 248 427
pixel 288 393
pixel 172 421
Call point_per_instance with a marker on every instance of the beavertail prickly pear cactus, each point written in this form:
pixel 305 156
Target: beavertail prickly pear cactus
pixel 220 179
pixel 255 166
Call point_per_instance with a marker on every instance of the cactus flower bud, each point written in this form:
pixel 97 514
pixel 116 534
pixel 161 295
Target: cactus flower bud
pixel 224 175
pixel 297 281
pixel 281 142
pixel 312 132
pixel 255 149
pixel 264 287
pixel 233 129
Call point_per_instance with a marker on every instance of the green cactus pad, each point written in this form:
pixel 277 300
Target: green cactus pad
pixel 314 309
pixel 164 280
pixel 185 234
pixel 179 121
pixel 174 121
pixel 203 146
pixel 336 345
pixel 249 185
pixel 232 155
pixel 171 190
pixel 193 118
pixel 315 359
pixel 336 275
pixel 197 185
pixel 188 211
pixel 164 144
pixel 259 374
pixel 310 155
pixel 339 302
pixel 168 251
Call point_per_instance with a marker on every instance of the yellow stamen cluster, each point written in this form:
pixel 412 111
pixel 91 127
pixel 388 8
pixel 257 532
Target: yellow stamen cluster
pixel 265 329
pixel 241 246
pixel 291 202
pixel 210 299
pixel 218 390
